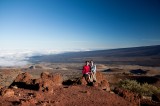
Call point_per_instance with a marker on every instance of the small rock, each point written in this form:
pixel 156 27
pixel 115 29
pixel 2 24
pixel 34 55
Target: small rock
pixel 14 87
pixel 7 92
pixel 32 67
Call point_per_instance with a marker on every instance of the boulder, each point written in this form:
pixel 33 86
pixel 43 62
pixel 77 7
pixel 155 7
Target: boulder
pixel 23 81
pixel 104 85
pixel 24 77
pixel 46 82
pixel 57 79
pixel 101 82
pixel 100 77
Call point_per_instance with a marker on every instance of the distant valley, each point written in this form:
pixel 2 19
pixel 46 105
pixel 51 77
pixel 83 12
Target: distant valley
pixel 145 56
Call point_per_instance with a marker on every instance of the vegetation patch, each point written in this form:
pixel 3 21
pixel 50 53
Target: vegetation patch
pixel 142 89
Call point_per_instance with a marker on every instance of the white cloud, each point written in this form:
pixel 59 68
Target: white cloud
pixel 20 57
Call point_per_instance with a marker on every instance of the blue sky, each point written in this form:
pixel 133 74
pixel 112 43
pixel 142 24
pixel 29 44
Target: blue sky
pixel 78 24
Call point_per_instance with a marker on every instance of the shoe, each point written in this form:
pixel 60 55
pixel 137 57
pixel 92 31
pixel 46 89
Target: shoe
pixel 94 80
pixel 90 84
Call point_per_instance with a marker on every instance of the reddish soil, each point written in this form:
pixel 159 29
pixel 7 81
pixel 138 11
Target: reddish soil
pixel 64 96
pixel 128 95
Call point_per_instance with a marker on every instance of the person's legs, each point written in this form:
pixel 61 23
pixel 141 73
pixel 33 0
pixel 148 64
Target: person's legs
pixel 91 77
pixel 94 77
pixel 87 78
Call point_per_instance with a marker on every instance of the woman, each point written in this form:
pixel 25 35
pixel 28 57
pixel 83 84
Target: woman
pixel 93 70
pixel 86 72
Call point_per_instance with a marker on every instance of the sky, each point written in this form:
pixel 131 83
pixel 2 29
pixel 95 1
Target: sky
pixel 65 25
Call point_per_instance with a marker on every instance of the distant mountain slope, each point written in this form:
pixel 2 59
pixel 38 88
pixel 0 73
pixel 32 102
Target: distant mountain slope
pixel 134 55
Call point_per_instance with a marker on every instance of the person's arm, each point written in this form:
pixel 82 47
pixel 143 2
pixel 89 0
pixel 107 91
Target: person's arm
pixel 94 70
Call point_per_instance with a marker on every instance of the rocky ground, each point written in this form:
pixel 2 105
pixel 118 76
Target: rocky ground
pixel 63 85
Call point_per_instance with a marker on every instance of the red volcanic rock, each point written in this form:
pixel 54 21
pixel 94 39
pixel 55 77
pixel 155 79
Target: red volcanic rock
pixel 24 77
pixel 57 79
pixel 7 92
pixel 44 75
pixel 100 77
pixel 44 84
pixel 23 81
pixel 82 81
pixel 101 82
pixel 104 85
pixel 156 97
pixel 128 95
pixel 48 81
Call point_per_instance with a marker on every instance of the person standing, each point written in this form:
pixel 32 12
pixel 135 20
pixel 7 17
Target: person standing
pixel 93 70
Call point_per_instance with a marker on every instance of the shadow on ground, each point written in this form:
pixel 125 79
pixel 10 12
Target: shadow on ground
pixel 138 71
pixel 144 79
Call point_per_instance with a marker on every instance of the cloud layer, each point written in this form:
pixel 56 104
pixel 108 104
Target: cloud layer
pixel 20 58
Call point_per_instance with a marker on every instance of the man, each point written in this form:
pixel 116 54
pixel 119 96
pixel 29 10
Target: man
pixel 93 70
pixel 86 72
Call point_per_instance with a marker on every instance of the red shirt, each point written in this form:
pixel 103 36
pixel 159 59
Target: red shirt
pixel 86 69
